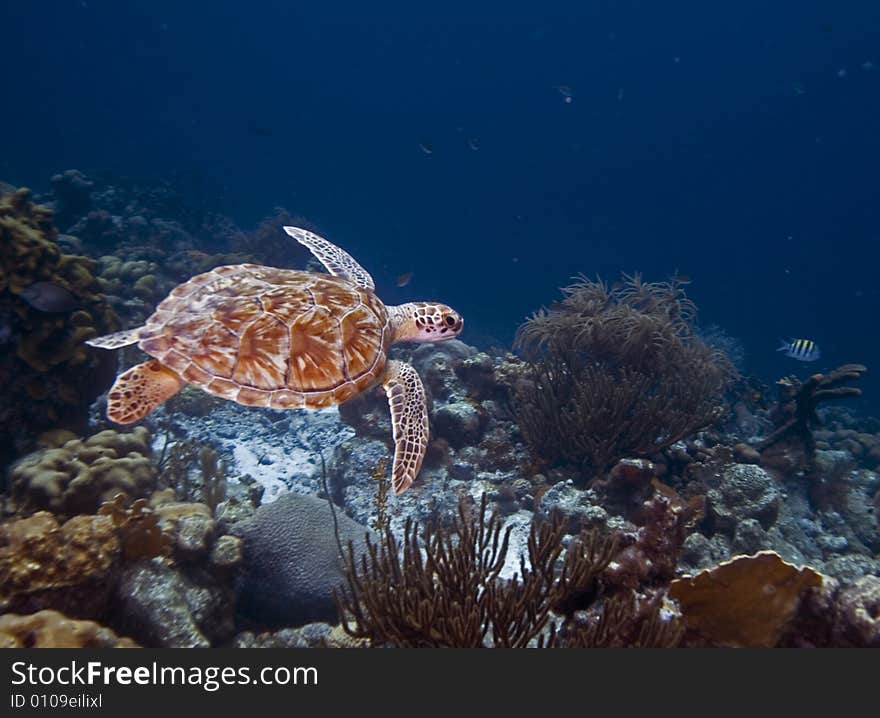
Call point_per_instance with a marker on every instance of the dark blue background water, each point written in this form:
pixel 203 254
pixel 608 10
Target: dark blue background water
pixel 736 142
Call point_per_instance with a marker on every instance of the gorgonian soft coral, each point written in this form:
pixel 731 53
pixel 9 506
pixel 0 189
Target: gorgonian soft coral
pixel 616 371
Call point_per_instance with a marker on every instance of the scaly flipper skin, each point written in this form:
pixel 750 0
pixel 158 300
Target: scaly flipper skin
pixel 338 262
pixel 140 390
pixel 117 340
pixel 409 420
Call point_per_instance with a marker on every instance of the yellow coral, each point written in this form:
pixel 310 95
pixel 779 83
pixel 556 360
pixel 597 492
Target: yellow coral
pixel 40 559
pixel 80 475
pixel 51 629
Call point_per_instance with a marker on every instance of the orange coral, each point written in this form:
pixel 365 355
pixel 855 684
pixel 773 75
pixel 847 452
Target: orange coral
pixel 745 602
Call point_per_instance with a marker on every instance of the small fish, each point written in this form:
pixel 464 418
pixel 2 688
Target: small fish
pixel 426 147
pixel 49 297
pixel 404 279
pixel 800 349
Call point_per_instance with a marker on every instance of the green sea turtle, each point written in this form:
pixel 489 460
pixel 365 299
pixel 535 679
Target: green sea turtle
pixel 285 339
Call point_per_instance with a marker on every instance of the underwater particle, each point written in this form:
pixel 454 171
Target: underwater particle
pixel 841 73
pixel 426 147
pixel 799 88
pixel 800 349
pixel 868 66
pixel 404 279
pixel 620 94
pixel 474 143
pixel 565 91
pixel 49 297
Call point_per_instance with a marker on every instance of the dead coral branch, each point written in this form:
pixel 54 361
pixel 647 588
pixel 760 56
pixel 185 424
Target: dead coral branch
pixel 799 402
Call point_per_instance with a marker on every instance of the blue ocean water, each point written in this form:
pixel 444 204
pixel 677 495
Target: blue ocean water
pixel 737 143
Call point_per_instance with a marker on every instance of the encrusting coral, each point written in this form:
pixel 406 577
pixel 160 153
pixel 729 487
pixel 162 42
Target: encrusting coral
pixel 81 474
pixel 616 372
pixel 51 629
pixel 67 568
pixel 50 376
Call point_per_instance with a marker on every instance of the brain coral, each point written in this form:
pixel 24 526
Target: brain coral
pixel 81 474
pixel 49 374
pixel 291 560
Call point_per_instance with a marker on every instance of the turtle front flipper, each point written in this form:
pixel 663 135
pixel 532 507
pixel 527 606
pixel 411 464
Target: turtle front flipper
pixel 336 261
pixel 140 390
pixel 409 421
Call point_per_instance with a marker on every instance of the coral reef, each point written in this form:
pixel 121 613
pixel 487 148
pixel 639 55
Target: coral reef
pixel 616 372
pixel 858 614
pixel 67 568
pixel 268 245
pixel 50 303
pixel 50 629
pixel 81 474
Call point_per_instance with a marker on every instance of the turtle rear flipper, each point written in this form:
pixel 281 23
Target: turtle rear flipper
pixel 140 390
pixel 409 421
pixel 116 340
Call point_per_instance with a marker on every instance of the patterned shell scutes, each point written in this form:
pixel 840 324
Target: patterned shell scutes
pixel 271 337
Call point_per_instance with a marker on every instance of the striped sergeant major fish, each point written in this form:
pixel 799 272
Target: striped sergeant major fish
pixel 800 349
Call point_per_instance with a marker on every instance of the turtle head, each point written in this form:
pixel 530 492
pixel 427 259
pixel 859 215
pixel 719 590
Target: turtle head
pixel 425 322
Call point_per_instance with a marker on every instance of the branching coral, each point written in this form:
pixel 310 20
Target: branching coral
pixel 616 371
pixel 195 473
pixel 138 529
pixel 797 415
pixel 445 589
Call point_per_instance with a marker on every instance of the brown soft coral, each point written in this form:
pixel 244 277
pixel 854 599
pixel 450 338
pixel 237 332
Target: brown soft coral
pixel 616 371
pixel 68 568
pixel 51 375
pixel 50 629
pixel 80 475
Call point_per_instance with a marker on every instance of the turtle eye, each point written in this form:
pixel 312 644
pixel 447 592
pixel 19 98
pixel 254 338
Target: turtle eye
pixel 450 320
